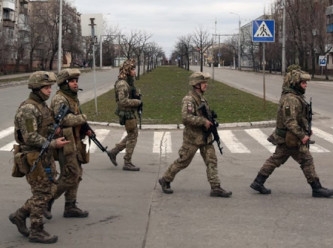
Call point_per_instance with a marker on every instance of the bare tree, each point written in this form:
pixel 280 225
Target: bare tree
pixel 141 39
pixel 184 47
pixel 201 41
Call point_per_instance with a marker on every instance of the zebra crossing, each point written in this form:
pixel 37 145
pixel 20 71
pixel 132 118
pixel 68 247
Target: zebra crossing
pixel 239 141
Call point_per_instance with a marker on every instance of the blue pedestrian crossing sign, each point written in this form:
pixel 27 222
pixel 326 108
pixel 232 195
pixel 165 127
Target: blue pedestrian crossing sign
pixel 263 31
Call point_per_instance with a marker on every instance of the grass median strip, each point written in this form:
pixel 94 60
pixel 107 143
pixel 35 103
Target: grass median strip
pixel 162 92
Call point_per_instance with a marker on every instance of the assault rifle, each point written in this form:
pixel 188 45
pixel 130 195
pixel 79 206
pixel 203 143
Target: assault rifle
pixel 140 107
pixel 309 118
pixel 63 110
pixel 211 116
pixel 84 128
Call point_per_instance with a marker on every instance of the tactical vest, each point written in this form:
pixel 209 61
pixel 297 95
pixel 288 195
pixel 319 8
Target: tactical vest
pixel 73 105
pixel 301 117
pixel 43 124
pixel 75 109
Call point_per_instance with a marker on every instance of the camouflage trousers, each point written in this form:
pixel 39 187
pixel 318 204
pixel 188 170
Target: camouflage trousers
pixel 130 140
pixel 42 190
pixel 281 155
pixel 70 177
pixel 186 154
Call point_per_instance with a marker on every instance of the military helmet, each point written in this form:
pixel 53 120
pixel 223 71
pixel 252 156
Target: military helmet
pixel 126 68
pixel 39 79
pixel 198 77
pixel 67 74
pixel 293 67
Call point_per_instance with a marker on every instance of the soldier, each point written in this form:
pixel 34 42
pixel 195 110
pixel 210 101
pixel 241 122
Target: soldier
pixel 33 124
pixel 128 101
pixel 292 136
pixel 194 139
pixel 73 155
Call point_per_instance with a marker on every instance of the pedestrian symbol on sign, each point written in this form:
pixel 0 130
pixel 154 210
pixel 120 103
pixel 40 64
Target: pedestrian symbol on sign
pixel 263 31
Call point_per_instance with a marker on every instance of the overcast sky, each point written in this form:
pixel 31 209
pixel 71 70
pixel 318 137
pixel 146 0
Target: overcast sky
pixel 167 20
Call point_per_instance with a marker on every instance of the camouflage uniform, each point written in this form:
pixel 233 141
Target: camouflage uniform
pixel 291 128
pixel 128 101
pixel 72 155
pixel 194 139
pixel 33 123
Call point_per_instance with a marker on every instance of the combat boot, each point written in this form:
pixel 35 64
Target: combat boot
pixel 47 211
pixel 217 191
pixel 165 186
pixel 113 155
pixel 72 211
pixel 319 191
pixel 18 218
pixel 39 235
pixel 128 166
pixel 258 184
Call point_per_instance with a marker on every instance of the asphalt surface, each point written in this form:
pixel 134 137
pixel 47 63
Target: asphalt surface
pixel 128 209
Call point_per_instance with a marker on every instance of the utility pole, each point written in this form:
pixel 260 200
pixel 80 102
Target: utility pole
pixel 60 37
pixel 283 67
pixel 93 51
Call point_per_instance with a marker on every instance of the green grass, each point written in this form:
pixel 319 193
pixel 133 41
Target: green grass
pixel 162 92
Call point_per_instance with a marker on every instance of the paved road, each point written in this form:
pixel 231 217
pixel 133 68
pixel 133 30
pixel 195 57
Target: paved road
pixel 128 209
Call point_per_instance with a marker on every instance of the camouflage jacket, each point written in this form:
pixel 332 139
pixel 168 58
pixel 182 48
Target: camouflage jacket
pixel 72 122
pixel 192 118
pixel 74 117
pixel 124 97
pixel 33 123
pixel 292 113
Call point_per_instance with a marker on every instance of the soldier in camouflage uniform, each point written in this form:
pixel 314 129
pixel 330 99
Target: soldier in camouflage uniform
pixel 128 102
pixel 292 135
pixel 73 154
pixel 194 139
pixel 33 124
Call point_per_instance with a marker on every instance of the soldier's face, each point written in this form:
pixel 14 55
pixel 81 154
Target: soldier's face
pixel 203 86
pixel 304 84
pixel 74 84
pixel 132 72
pixel 46 90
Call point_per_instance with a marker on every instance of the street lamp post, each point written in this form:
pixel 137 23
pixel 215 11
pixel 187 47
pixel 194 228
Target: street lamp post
pixel 283 68
pixel 239 40
pixel 60 37
pixel 93 39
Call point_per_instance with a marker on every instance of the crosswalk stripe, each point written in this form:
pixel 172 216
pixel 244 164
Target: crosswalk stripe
pixel 317 148
pixel 261 137
pixel 6 132
pixel 162 140
pixel 232 143
pixel 162 143
pixel 8 147
pixel 322 134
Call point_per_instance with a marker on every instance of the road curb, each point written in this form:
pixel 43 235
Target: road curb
pixel 270 123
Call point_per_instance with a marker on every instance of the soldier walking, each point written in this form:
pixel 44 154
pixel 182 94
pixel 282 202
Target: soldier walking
pixel 33 124
pixel 73 155
pixel 292 135
pixel 128 101
pixel 194 139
